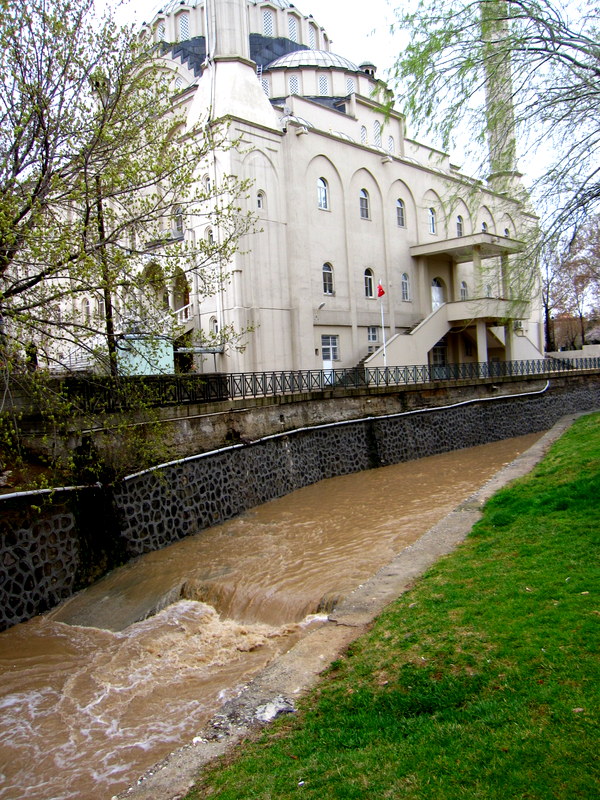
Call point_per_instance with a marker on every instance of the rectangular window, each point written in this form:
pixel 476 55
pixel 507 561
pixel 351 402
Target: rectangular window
pixel 372 333
pixel 330 347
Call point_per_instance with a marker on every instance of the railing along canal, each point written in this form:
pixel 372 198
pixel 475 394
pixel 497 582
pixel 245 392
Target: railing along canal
pixel 104 394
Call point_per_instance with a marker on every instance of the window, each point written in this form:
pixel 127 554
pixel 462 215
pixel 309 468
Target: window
pixel 294 84
pixel 488 290
pixel 506 232
pixel 400 213
pixel 210 238
pixel 260 200
pixel 178 221
pixel 405 286
pixel 293 28
pixel 369 283
pixel 327 279
pixel 265 86
pixel 363 201
pixel 330 348
pixel 267 22
pixel 484 227
pixel 322 194
pixel 323 85
pixel 161 32
pixel 363 134
pixel 377 133
pixel 460 226
pixel 85 309
pixel 350 86
pixel 213 326
pixel 312 37
pixel 100 309
pixel 184 27
pixel 432 220
pixel 391 146
pixel 207 184
pixel 464 290
pixel 372 334
pixel 178 83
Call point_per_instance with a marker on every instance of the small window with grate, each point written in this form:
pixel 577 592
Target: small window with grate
pixel 294 84
pixel 293 28
pixel 323 85
pixel 268 26
pixel 184 27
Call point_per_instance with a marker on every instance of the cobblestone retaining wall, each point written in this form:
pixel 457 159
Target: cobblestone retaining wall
pixel 46 554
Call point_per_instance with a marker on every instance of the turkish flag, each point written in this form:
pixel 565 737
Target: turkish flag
pixel 380 290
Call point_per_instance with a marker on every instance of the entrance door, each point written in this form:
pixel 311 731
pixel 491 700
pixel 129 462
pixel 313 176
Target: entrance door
pixel 437 293
pixel 330 354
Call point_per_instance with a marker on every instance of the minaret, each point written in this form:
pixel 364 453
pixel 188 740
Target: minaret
pixel 500 117
pixel 229 86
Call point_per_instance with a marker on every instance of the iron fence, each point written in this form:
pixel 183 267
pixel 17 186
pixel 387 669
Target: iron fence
pixel 97 394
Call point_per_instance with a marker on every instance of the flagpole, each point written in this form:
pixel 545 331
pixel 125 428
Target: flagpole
pixel 380 292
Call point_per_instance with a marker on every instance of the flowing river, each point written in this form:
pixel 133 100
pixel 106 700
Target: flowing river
pixel 90 696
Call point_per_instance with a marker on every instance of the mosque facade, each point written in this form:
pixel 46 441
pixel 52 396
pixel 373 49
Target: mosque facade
pixel 370 247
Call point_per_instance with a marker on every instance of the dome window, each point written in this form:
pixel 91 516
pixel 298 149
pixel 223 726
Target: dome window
pixel 293 28
pixel 323 85
pixel 184 27
pixel 268 22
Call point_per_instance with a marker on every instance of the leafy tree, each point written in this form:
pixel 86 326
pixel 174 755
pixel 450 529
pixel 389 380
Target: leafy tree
pixel 515 72
pixel 98 182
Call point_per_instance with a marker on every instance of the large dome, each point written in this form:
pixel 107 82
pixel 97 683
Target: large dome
pixel 313 58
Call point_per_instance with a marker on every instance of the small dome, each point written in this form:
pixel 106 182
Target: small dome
pixel 312 58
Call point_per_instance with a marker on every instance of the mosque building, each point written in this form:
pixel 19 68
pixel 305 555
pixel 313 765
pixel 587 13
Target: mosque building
pixel 365 236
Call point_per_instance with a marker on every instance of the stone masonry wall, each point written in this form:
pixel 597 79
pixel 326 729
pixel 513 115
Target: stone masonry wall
pixel 48 552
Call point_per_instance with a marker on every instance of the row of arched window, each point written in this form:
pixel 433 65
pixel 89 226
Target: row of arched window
pixel 369 282
pixel 365 210
pixel 269 27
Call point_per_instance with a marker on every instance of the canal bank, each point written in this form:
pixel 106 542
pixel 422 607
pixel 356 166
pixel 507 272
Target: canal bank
pixel 297 670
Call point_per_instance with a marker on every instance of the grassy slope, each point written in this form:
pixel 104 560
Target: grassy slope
pixel 481 682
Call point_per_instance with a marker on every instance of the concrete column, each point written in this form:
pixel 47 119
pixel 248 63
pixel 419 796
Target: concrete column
pixel 482 354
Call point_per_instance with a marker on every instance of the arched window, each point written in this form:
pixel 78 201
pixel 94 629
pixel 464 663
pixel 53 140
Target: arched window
pixel 178 220
pixel 484 227
pixel 460 226
pixel 464 290
pixel 207 184
pixel 363 134
pixel 506 232
pixel 327 279
pixel 377 133
pixel 260 200
pixel 323 85
pixel 85 309
pixel 405 286
pixel 100 308
pixel 391 146
pixel 369 283
pixel 161 32
pixel 213 326
pixel 184 27
pixel 322 194
pixel 350 86
pixel 363 201
pixel 312 37
pixel 267 22
pixel 294 84
pixel 178 83
pixel 432 220
pixel 400 213
pixel 210 237
pixel 293 28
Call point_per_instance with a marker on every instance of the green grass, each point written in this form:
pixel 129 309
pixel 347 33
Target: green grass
pixel 481 682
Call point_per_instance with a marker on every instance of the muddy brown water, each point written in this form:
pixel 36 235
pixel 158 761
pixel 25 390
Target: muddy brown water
pixel 90 696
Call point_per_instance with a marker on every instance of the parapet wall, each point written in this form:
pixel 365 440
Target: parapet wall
pixel 52 544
